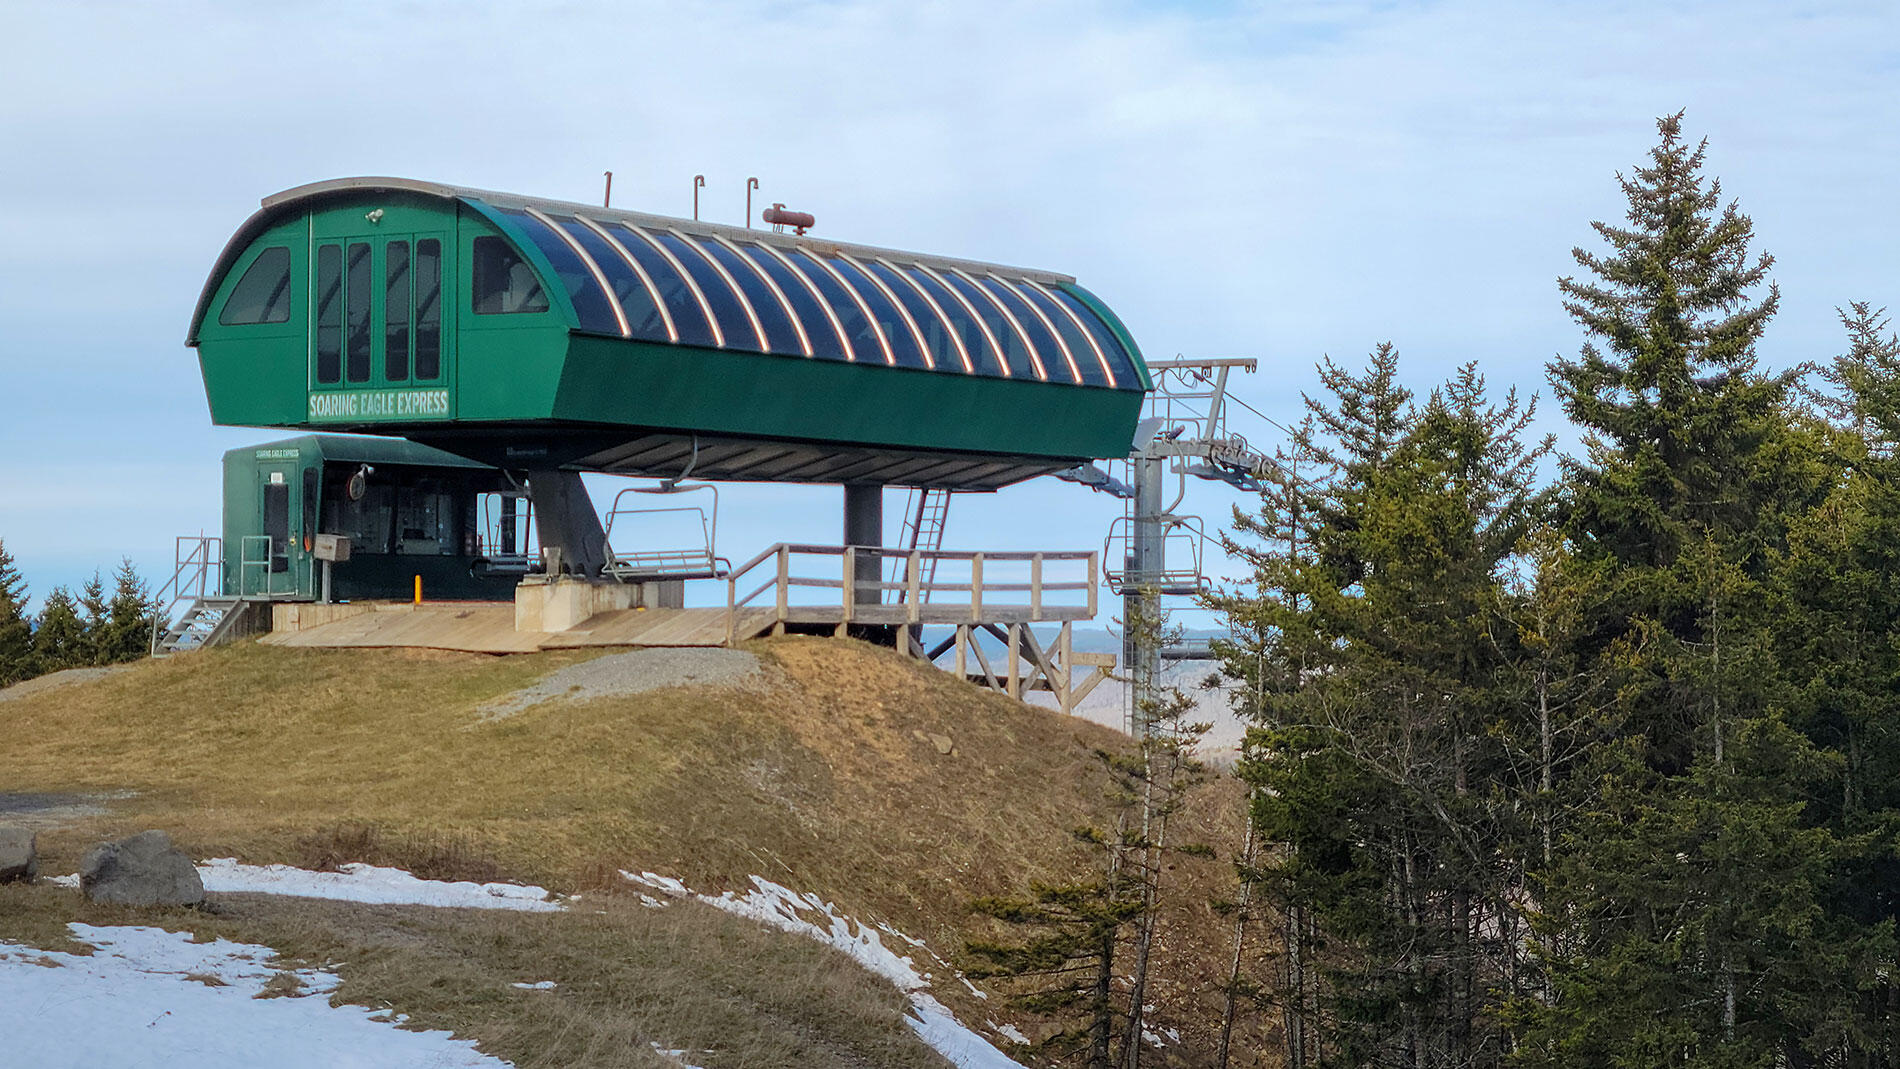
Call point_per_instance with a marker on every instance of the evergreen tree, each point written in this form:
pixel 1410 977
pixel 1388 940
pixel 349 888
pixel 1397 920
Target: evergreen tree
pixel 59 639
pixel 125 632
pixel 1677 925
pixel 16 630
pixel 1375 688
pixel 1866 378
pixel 92 603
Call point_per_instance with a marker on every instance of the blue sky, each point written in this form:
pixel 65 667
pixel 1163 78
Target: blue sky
pixel 1282 180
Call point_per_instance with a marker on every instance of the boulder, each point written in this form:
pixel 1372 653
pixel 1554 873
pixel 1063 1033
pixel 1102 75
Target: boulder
pixel 19 855
pixel 145 870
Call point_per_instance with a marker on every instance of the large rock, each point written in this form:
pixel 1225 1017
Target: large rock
pixel 145 870
pixel 19 855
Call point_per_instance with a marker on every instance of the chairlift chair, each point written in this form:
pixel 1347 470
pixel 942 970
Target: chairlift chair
pixel 696 561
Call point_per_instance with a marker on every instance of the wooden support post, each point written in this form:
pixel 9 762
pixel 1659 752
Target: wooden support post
pixel 1065 660
pixel 976 589
pixel 1015 688
pixel 850 588
pixel 784 586
pixel 913 582
pixel 1094 581
pixel 963 640
pixel 1035 587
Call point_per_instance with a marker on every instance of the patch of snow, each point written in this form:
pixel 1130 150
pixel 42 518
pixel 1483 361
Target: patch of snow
pixel 1161 1037
pixel 809 915
pixel 538 985
pixel 677 1055
pixel 63 881
pixel 171 1001
pixel 372 884
pixel 1008 1031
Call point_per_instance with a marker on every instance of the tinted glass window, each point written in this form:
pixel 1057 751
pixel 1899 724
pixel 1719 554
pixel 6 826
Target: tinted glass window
pixel 943 351
pixel 329 313
pixel 356 302
pixel 263 294
pixel 904 348
pixel 1053 361
pixel 1111 348
pixel 396 311
pixel 504 284
pixel 277 524
pixel 733 322
pixel 688 318
pixel 982 357
pixel 811 314
pixel 1085 359
pixel 590 301
pixel 779 333
pixel 643 316
pixel 864 341
pixel 1013 348
pixel 428 308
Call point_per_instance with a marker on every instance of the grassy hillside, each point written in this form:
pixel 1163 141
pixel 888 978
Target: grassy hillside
pixel 826 778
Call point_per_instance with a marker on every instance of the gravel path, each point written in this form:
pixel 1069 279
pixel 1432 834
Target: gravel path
pixel 635 672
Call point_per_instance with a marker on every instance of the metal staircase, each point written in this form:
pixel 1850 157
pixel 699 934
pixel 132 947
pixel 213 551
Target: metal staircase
pixel 209 616
pixel 207 621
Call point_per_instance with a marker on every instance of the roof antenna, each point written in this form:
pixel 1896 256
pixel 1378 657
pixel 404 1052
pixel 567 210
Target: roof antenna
pixel 699 182
pixel 750 185
pixel 607 200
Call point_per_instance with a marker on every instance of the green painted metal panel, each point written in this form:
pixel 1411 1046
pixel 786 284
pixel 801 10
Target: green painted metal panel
pixel 714 391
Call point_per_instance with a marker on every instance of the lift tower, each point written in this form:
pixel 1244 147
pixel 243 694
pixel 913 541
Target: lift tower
pixel 1183 433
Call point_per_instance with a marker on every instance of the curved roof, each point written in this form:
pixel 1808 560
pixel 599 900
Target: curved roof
pixel 686 282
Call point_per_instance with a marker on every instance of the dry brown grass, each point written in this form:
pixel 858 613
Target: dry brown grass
pixel 827 782
pixel 736 995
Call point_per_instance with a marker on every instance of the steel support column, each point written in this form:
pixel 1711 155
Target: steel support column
pixel 565 519
pixel 864 526
pixel 1141 593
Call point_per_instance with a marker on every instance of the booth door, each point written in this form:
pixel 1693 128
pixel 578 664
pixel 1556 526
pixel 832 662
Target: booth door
pixel 265 555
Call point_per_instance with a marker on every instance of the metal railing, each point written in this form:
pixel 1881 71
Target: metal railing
pixel 269 587
pixel 979 587
pixel 197 572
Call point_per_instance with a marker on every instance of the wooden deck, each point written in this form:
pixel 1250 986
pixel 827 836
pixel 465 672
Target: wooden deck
pixel 489 627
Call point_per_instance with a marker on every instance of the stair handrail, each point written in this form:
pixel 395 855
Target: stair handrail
pixel 190 570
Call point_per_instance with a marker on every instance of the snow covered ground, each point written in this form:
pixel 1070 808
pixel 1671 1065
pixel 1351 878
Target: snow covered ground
pixel 148 997
pixel 808 915
pixel 152 997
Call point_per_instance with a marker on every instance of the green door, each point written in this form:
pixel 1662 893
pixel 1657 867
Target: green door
pixel 378 337
pixel 268 558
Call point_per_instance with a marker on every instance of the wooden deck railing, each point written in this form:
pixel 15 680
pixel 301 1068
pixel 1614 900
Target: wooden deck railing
pixel 980 587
